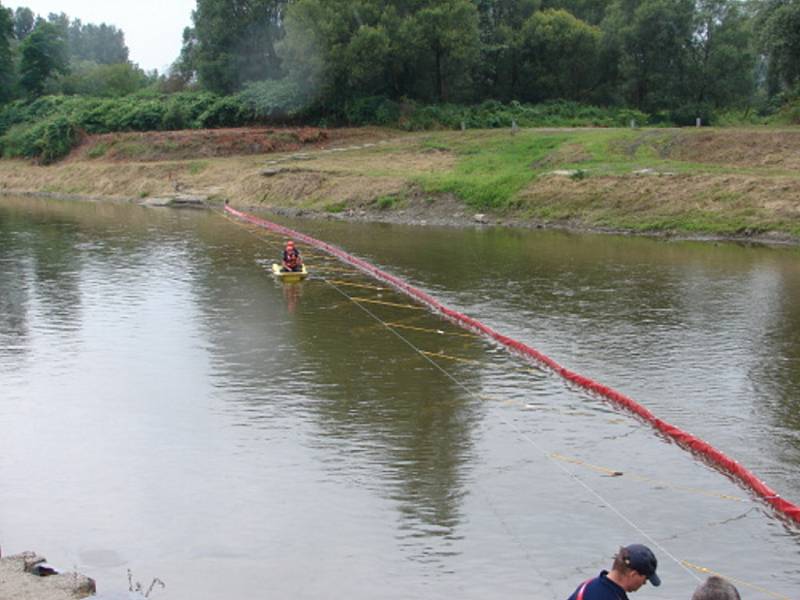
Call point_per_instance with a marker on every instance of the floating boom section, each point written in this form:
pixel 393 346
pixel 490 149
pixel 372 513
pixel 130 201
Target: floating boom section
pixel 684 439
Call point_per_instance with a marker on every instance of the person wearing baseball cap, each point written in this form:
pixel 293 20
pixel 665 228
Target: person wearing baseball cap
pixel 633 566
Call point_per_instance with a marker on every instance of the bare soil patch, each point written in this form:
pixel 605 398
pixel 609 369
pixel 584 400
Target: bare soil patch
pixel 778 149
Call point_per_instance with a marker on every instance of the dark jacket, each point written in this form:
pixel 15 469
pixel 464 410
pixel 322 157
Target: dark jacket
pixel 600 588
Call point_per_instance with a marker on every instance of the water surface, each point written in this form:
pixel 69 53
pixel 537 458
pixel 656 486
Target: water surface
pixel 168 408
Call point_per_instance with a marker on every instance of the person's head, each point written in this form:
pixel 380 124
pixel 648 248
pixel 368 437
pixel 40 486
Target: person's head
pixel 716 588
pixel 634 565
pixel 289 244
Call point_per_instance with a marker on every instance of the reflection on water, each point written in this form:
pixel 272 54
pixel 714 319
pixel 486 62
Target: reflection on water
pixel 187 415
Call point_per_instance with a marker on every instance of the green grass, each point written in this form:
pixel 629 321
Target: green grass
pixel 386 202
pixel 336 207
pixel 97 151
pixel 132 150
pixel 489 174
pixel 197 166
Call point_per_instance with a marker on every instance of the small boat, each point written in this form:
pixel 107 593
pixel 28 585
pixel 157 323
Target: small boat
pixel 289 276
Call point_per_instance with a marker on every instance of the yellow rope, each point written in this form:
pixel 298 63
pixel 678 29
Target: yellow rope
pixel 357 285
pixel 616 473
pixel 395 304
pixel 429 330
pixel 453 358
pixel 340 269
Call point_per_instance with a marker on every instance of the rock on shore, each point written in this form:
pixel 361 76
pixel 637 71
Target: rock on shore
pixel 25 577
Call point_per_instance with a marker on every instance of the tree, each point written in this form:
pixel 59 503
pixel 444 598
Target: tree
pixel 234 41
pixel 445 39
pixel 560 56
pixel 336 50
pixel 653 39
pixel 779 37
pixel 6 58
pixel 184 69
pixel 590 11
pixel 102 44
pixel 23 22
pixel 87 78
pixel 723 59
pixel 500 23
pixel 43 54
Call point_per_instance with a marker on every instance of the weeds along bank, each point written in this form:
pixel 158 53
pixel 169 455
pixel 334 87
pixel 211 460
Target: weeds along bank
pixel 733 181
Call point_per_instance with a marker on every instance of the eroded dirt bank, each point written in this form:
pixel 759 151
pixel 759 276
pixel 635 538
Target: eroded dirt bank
pixel 741 183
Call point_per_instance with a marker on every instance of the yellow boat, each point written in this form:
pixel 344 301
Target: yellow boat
pixel 289 276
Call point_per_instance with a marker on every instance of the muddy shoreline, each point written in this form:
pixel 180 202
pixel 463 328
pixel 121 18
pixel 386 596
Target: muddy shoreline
pixel 421 220
pixel 448 214
pixel 736 185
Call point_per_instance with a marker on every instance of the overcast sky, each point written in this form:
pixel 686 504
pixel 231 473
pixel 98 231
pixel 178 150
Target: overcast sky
pixel 153 28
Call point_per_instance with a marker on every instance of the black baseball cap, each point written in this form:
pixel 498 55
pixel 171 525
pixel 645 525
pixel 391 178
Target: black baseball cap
pixel 642 559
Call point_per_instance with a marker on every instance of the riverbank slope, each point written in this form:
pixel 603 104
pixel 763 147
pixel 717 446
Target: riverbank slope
pixel 697 182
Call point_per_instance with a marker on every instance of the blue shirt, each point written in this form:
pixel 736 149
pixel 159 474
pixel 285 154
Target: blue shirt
pixel 601 588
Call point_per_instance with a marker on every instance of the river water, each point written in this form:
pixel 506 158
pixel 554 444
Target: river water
pixel 167 407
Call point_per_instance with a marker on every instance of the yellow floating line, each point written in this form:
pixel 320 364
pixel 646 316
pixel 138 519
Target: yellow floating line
pixel 358 285
pixel 428 330
pixel 739 582
pixel 395 304
pixel 616 473
pixel 577 461
pixel 448 357
pixel 339 269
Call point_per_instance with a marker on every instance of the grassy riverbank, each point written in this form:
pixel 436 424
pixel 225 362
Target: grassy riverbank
pixel 728 182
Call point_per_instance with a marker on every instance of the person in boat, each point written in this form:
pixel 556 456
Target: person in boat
pixel 716 588
pixel 291 258
pixel 633 566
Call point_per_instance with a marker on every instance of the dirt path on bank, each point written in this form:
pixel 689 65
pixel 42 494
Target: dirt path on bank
pixel 740 183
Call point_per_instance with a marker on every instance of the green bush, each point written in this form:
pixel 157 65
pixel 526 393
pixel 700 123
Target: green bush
pixel 47 140
pixel 372 110
pixel 738 118
pixel 273 99
pixel 57 138
pixel 687 115
pixel 265 101
pixel 227 111
pixel 182 110
pixel 494 114
pixel 140 116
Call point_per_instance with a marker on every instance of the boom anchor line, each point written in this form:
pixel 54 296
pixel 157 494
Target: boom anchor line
pixel 684 439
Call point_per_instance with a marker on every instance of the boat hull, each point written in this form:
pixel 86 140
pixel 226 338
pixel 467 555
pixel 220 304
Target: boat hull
pixel 289 276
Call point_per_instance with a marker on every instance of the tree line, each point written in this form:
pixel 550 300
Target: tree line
pixel 365 60
pixel 652 55
pixel 59 55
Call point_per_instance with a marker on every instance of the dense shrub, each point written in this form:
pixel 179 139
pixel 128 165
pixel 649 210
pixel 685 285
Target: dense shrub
pixel 372 110
pixel 57 138
pixel 41 128
pixel 226 111
pixel 493 114
pixel 182 110
pixel 47 140
pixel 687 115
pixel 272 99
